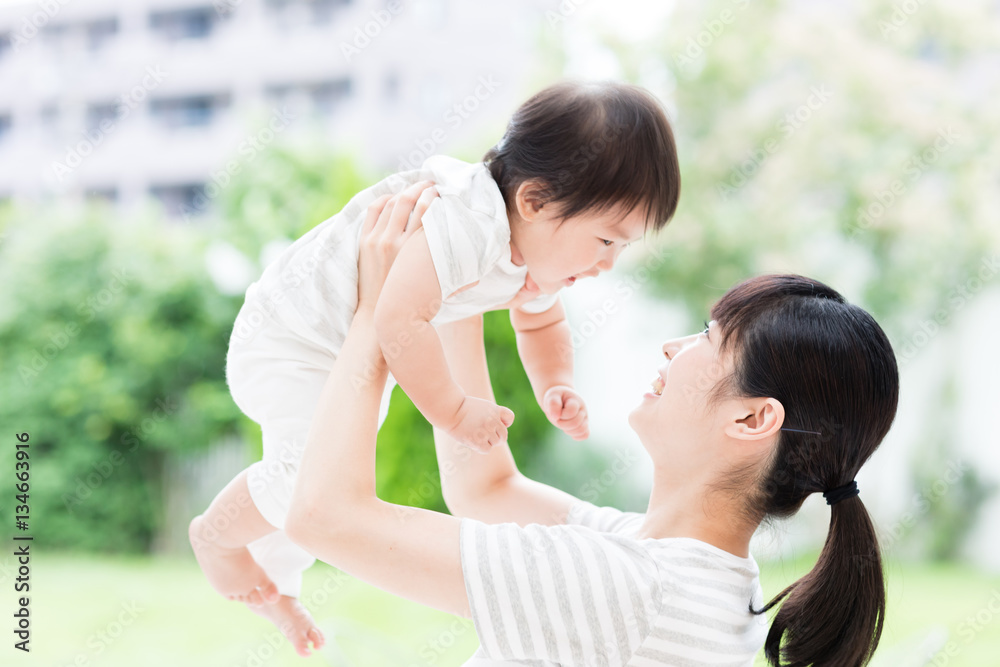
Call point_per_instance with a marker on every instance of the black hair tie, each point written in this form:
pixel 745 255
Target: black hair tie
pixel 844 492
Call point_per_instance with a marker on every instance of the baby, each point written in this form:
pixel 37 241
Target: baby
pixel 582 171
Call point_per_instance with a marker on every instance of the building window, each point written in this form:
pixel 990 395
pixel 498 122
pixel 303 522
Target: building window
pixel 431 13
pixel 304 12
pixel 181 201
pixel 390 87
pixel 55 34
pixel 175 25
pixel 100 33
pixel 318 98
pixel 97 113
pixel 107 195
pixel 327 96
pixel 195 111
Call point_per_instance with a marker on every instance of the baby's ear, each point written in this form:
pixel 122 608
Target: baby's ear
pixel 531 197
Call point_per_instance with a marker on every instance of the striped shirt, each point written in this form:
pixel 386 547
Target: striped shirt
pixel 589 593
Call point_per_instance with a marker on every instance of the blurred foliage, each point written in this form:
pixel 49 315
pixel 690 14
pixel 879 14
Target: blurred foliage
pixel 113 348
pixel 950 492
pixel 285 192
pixel 847 145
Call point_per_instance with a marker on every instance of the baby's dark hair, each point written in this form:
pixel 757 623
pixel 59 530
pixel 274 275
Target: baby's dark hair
pixel 591 146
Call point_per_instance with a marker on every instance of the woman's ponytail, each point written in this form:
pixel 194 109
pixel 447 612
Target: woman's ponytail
pixel 833 370
pixel 833 615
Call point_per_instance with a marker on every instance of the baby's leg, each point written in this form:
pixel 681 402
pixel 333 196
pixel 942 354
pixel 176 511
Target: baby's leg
pixel 284 562
pixel 271 486
pixel 220 537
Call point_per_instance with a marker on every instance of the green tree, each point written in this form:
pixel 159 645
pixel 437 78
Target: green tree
pixel 844 145
pixel 114 343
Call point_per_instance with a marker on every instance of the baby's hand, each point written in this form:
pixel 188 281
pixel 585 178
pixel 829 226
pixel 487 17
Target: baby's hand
pixel 482 424
pixel 566 410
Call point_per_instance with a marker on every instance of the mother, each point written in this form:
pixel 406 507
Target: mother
pixel 786 393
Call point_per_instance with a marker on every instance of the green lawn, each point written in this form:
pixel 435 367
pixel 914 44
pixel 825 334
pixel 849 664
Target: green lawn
pixel 112 612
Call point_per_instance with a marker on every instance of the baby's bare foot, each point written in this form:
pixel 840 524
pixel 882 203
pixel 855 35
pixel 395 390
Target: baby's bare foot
pixel 232 572
pixel 295 623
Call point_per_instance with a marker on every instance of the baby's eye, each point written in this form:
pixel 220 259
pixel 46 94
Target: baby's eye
pixel 607 242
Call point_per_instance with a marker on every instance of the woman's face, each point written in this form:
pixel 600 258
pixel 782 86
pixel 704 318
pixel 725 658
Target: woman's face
pixel 676 415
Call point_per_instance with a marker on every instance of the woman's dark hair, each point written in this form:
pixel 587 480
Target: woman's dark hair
pixel 591 146
pixel 833 370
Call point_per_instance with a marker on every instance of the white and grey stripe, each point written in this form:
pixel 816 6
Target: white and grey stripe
pixel 591 594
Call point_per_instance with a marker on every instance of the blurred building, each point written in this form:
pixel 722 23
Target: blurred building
pixel 135 100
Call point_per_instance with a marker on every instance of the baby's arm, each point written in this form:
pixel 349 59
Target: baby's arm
pixel 545 346
pixel 412 349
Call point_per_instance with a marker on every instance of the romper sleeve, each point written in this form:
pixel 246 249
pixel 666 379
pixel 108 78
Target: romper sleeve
pixel 565 594
pixel 464 243
pixel 540 303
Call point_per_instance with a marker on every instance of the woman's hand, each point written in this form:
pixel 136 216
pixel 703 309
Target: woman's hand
pixel 391 220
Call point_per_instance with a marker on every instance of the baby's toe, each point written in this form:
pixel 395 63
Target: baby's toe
pixel 270 593
pixel 317 638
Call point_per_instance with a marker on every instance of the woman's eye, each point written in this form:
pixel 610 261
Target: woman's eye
pixel 606 242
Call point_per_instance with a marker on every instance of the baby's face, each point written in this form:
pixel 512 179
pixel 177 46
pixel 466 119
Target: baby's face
pixel 557 255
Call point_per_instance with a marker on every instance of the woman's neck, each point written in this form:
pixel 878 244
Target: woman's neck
pixel 688 508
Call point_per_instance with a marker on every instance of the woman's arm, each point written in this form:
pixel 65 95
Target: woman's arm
pixel 335 513
pixel 487 487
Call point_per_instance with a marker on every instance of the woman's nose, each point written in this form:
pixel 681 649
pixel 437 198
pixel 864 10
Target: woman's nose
pixel 675 345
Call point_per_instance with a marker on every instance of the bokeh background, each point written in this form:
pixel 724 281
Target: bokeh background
pixel 156 154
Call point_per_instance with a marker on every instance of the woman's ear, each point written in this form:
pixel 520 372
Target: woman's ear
pixel 756 419
pixel 530 198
